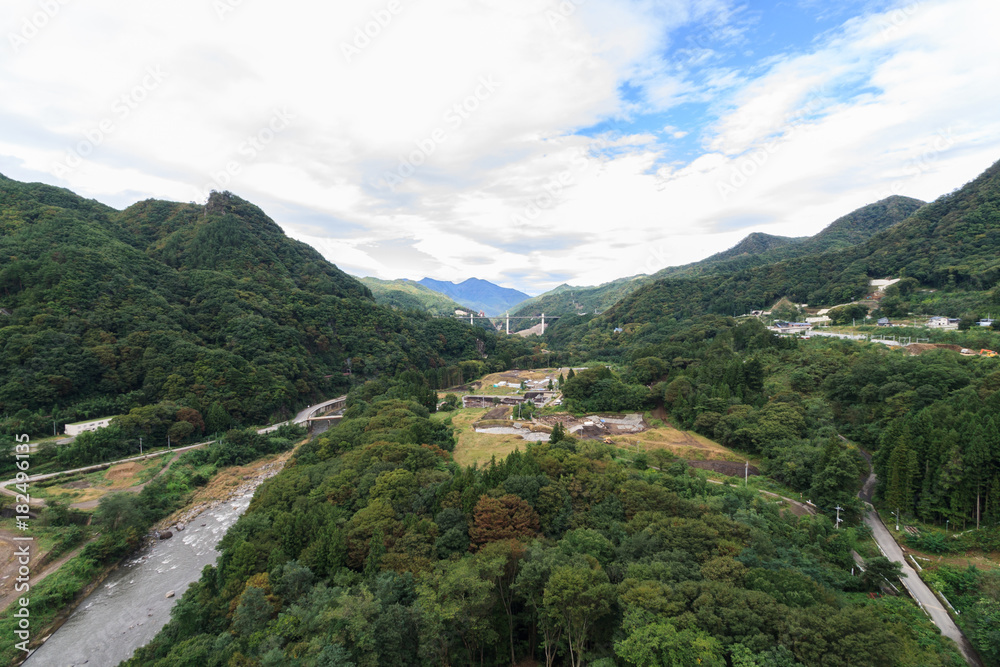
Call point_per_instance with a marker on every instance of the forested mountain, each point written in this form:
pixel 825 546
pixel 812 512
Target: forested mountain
pixel 951 245
pixel 759 249
pixel 753 244
pixel 411 295
pixel 208 307
pixel 756 249
pixel 479 294
pixel 569 299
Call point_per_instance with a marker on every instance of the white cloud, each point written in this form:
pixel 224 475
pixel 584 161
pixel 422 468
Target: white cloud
pixel 503 185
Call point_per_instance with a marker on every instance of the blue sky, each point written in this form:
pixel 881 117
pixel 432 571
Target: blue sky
pixel 526 142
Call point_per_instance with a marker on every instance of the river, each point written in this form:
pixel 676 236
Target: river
pixel 130 607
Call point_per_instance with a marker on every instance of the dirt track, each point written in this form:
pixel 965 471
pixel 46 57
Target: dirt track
pixel 729 468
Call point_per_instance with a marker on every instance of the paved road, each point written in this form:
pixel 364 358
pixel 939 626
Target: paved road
pixel 911 580
pixel 303 416
pixel 919 590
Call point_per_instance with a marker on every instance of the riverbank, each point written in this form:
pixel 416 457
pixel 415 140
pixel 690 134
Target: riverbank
pixel 227 484
pixel 132 599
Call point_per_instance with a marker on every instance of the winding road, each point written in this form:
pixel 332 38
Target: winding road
pixel 917 589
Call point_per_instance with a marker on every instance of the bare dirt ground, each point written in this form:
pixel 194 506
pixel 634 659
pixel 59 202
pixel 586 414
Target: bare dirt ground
pixel 516 377
pixel 10 565
pixel 587 428
pixel 499 412
pixel 920 348
pixel 728 468
pixel 682 444
pixel 122 477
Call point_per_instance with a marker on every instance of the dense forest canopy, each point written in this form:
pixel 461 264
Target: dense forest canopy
pixel 373 548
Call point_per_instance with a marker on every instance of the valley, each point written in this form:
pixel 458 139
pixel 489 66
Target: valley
pixel 650 455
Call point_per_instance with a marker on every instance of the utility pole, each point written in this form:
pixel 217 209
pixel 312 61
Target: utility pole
pixel 746 474
pixel 543 324
pixel 508 322
pixel 140 445
pixel 897 519
pixel 839 510
pixel 54 427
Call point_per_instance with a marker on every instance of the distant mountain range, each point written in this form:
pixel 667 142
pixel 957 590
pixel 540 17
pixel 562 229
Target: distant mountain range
pixel 403 294
pixel 478 294
pixel 757 249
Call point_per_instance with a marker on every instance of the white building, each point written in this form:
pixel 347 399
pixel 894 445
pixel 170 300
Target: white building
pixel 943 323
pixel 80 427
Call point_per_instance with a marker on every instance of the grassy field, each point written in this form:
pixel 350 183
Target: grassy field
pixel 475 447
pixel 683 444
pixel 478 448
pixel 95 485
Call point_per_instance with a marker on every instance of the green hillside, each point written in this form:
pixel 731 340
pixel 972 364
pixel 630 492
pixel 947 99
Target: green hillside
pixel 950 249
pixel 569 299
pixel 759 249
pixel 410 295
pixel 756 249
pixel 208 307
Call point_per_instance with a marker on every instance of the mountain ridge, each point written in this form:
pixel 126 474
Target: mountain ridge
pixel 950 247
pixel 756 249
pixel 478 293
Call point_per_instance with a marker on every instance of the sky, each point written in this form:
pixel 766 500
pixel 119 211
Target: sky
pixel 526 142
